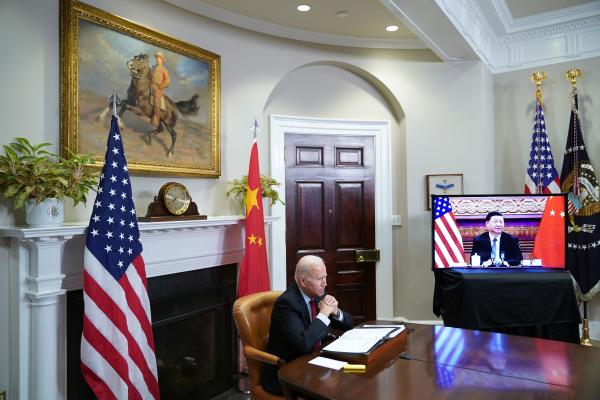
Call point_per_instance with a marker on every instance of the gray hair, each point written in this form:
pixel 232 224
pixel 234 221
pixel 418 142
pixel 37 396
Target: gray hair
pixel 305 264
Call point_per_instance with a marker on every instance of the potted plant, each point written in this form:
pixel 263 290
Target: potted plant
pixel 240 186
pixel 33 177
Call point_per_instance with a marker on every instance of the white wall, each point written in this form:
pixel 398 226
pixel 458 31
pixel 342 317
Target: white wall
pixel 451 117
pixel 515 110
pixel 447 107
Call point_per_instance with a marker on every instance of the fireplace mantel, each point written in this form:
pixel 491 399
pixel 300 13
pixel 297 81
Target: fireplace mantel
pixel 45 263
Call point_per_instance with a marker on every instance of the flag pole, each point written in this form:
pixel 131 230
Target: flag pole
pixel 113 101
pixel 585 328
pixel 255 128
pixel 537 78
pixel 571 76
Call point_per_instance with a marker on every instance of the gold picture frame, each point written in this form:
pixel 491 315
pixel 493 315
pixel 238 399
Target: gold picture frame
pixel 101 52
pixel 441 184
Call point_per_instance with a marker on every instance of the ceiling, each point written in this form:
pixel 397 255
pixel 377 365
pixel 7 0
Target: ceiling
pixel 504 34
pixel 361 18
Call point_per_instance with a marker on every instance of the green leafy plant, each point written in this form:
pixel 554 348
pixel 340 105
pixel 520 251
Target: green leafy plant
pixel 30 171
pixel 240 186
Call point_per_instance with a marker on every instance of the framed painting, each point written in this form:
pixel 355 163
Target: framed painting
pixel 168 91
pixel 441 184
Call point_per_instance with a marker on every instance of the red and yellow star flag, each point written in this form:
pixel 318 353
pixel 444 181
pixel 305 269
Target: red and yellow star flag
pixel 254 270
pixel 550 239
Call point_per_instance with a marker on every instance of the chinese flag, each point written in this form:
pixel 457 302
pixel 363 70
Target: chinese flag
pixel 550 239
pixel 254 270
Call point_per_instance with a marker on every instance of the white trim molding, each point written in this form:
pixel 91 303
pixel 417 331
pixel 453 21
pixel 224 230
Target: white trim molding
pixel 505 43
pixel 380 131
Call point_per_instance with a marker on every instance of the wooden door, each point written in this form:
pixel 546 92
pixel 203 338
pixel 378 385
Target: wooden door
pixel 330 213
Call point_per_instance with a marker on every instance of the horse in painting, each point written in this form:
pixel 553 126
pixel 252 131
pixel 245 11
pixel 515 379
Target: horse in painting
pixel 139 98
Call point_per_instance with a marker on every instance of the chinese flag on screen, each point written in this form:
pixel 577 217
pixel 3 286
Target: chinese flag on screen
pixel 254 270
pixel 550 239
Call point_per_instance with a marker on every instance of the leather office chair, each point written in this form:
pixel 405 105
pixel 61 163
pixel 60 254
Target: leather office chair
pixel 252 315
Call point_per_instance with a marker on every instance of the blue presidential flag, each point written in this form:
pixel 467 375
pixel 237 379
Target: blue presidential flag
pixel 583 235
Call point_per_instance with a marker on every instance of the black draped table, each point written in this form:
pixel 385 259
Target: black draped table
pixel 533 302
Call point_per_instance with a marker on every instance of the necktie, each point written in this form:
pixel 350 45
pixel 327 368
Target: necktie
pixel 313 309
pixel 313 315
pixel 494 249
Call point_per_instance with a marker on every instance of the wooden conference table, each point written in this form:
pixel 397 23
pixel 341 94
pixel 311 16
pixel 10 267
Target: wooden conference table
pixel 452 363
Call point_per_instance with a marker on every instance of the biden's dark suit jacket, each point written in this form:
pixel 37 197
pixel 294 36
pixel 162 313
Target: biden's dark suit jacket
pixel 293 333
pixel 509 245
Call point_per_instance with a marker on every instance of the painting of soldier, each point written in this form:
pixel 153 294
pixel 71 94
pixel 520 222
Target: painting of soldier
pixel 167 97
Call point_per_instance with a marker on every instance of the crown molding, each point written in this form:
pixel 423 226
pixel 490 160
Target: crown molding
pixel 241 21
pixel 505 43
pixel 560 16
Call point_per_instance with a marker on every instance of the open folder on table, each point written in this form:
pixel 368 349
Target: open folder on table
pixel 362 340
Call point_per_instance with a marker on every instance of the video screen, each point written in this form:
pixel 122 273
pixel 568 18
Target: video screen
pixel 499 231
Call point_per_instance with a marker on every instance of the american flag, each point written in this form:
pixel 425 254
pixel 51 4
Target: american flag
pixel 542 176
pixel 117 347
pixel 448 246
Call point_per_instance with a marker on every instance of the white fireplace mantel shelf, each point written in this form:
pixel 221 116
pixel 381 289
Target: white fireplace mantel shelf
pixel 70 229
pixel 45 263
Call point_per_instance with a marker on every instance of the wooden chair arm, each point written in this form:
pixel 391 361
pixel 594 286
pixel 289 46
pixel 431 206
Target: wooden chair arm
pixel 263 356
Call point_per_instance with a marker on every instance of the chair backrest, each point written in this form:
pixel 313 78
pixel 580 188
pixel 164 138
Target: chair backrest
pixel 252 315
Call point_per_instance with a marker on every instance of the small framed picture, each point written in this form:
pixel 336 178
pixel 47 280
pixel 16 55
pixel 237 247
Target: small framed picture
pixel 441 184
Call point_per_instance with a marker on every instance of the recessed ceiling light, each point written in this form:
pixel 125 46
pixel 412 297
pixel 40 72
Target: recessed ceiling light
pixel 342 14
pixel 391 28
pixel 303 8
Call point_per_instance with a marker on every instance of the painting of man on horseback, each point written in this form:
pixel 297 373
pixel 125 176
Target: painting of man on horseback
pixel 145 98
pixel 168 101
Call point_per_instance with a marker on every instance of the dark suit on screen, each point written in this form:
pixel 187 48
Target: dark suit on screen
pixel 509 245
pixel 293 333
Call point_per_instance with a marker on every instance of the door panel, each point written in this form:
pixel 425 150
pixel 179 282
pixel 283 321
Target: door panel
pixel 330 213
pixel 309 156
pixel 310 215
pixel 349 224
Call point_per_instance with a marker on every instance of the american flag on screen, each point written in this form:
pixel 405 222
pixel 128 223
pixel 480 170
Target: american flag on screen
pixel 542 176
pixel 117 347
pixel 448 246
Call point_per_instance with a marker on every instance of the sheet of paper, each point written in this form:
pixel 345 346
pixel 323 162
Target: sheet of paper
pixel 358 340
pixel 399 328
pixel 358 333
pixel 342 345
pixel 397 332
pixel 382 326
pixel 328 363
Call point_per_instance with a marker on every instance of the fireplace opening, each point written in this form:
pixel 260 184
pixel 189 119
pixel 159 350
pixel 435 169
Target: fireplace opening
pixel 194 334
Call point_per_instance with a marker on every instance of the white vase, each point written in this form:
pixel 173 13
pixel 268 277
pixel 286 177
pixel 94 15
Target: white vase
pixel 48 213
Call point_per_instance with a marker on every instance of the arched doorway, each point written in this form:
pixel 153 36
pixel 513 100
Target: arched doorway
pixel 379 130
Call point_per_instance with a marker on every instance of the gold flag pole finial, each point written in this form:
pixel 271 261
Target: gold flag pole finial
pixel 537 78
pixel 572 75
